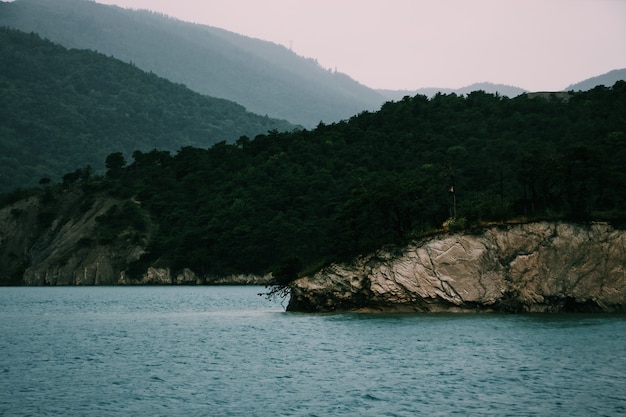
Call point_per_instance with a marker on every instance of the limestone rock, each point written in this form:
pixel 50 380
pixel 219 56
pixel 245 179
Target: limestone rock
pixel 534 267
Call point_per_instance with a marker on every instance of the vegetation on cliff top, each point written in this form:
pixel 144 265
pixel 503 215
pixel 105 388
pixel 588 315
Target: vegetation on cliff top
pixel 302 198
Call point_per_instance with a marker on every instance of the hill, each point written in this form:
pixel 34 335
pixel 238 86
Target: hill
pixel 264 77
pixel 286 201
pixel 606 79
pixel 62 109
pixel 501 89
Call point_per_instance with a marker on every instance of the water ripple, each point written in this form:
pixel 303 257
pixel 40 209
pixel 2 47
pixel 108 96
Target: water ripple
pixel 223 351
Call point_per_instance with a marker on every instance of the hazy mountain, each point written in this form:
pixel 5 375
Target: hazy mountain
pixel 501 89
pixel 607 80
pixel 264 77
pixel 62 109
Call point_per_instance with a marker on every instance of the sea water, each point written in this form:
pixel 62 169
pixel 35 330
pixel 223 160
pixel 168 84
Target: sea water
pixel 225 351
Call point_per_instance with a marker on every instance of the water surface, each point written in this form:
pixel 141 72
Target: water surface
pixel 224 351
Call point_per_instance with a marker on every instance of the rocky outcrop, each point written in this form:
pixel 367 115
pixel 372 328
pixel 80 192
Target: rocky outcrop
pixel 534 267
pixel 164 276
pixel 57 241
pixel 47 240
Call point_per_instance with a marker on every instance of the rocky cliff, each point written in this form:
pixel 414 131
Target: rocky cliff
pixel 535 267
pixel 61 240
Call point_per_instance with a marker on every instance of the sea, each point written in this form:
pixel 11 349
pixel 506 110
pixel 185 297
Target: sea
pixel 226 351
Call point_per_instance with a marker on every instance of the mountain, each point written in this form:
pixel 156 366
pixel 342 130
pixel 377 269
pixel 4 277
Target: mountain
pixel 607 79
pixel 501 89
pixel 62 109
pixel 264 77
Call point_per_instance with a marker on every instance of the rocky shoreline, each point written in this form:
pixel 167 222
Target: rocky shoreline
pixel 532 267
pixel 67 251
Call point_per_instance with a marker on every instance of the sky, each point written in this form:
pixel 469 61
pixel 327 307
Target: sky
pixel 538 45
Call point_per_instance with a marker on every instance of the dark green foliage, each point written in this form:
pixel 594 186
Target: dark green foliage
pixel 45 217
pixel 286 201
pixel 120 218
pixel 15 274
pixel 115 162
pixel 87 204
pixel 85 242
pixel 17 195
pixel 288 270
pixel 81 175
pixel 61 108
pixel 389 210
pixel 49 209
pixel 384 177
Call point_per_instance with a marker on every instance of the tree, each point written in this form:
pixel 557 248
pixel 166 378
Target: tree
pixel 387 211
pixel 115 164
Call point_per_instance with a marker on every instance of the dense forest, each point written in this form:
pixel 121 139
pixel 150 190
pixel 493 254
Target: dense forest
pixel 61 108
pixel 265 77
pixel 298 199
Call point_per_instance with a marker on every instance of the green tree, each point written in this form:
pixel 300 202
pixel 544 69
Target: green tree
pixel 115 162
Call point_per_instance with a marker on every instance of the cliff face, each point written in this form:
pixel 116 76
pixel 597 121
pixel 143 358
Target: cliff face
pixel 64 246
pixel 60 246
pixel 536 267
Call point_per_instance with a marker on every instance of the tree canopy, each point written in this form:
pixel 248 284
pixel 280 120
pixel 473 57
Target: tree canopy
pixel 307 197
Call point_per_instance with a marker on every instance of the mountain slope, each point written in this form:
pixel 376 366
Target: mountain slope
pixel 61 109
pixel 264 77
pixel 606 79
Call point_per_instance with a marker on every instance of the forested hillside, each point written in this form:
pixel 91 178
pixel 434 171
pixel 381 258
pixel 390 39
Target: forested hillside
pixel 298 199
pixel 264 77
pixel 62 109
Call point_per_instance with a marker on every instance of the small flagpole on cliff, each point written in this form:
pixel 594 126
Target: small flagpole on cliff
pixel 453 194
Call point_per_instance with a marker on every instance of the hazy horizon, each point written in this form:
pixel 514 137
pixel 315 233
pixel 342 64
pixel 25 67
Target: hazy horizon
pixel 537 45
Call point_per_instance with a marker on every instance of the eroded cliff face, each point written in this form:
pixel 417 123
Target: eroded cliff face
pixel 535 267
pixel 61 246
pixel 67 249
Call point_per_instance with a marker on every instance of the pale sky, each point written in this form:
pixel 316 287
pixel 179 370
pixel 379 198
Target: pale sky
pixel 537 45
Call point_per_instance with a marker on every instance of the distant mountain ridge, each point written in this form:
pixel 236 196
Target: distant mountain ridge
pixel 501 89
pixel 264 77
pixel 606 79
